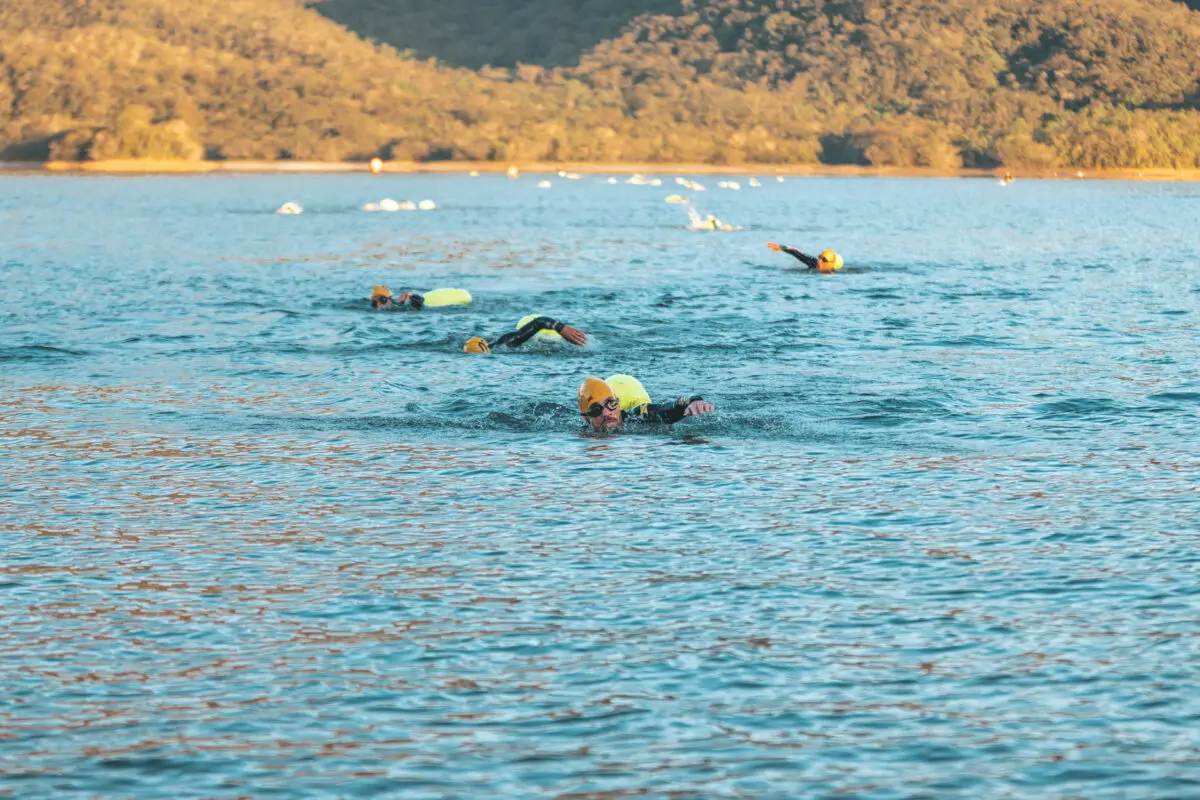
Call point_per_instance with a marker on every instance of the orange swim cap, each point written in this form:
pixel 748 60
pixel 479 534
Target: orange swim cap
pixel 476 344
pixel 381 291
pixel 831 259
pixel 593 391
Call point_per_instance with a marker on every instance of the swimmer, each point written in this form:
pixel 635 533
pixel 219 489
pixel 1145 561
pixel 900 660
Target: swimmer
pixel 829 261
pixel 607 404
pixel 707 222
pixel 526 330
pixel 383 300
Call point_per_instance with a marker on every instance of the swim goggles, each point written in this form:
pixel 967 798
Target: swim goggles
pixel 597 409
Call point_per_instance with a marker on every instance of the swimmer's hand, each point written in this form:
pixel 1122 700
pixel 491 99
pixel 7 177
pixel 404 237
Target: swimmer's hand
pixel 697 407
pixel 403 298
pixel 773 246
pixel 574 335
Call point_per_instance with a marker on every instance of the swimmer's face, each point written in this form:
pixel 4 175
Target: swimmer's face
pixel 608 418
pixel 380 301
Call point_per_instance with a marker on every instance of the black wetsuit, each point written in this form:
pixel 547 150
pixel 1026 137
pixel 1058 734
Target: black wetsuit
pixel 415 302
pixel 659 413
pixel 527 331
pixel 807 260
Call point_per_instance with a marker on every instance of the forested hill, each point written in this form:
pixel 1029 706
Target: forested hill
pixel 476 33
pixel 232 79
pixel 939 83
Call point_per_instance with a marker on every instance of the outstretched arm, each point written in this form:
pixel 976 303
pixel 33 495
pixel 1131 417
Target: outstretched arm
pixel 670 413
pixel 413 300
pixel 530 329
pixel 807 260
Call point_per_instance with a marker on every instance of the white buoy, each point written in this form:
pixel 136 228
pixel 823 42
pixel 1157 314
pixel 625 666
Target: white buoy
pixel 427 205
pixel 388 204
pixel 407 205
pixel 545 185
pixel 754 183
pixel 371 207
pixel 290 208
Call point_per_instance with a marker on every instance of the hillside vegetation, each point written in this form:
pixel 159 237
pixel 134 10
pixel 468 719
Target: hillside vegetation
pixel 228 79
pixel 474 34
pixel 935 82
pixel 940 83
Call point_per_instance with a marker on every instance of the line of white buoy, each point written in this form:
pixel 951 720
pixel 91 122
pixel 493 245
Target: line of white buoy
pixel 637 179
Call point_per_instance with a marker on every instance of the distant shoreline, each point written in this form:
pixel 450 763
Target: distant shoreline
pixel 148 167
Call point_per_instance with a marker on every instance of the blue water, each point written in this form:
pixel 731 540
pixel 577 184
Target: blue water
pixel 939 538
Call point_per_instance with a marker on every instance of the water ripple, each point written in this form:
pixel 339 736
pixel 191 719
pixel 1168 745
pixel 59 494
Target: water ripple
pixel 937 541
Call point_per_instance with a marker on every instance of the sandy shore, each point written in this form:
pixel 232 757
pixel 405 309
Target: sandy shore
pixel 139 167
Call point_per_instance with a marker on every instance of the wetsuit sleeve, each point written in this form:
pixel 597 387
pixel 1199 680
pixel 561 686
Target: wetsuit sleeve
pixel 807 260
pixel 527 331
pixel 662 413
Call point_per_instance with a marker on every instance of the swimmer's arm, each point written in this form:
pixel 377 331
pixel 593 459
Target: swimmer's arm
pixel 414 301
pixel 664 413
pixel 527 331
pixel 807 260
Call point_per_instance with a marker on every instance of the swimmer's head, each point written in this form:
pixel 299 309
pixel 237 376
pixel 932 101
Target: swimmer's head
pixel 381 296
pixel 599 405
pixel 829 261
pixel 476 344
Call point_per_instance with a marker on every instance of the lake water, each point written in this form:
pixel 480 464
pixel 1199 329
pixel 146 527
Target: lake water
pixel 939 539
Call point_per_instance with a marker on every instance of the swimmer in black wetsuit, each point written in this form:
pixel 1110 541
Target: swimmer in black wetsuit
pixel 828 261
pixel 606 405
pixel 382 300
pixel 529 327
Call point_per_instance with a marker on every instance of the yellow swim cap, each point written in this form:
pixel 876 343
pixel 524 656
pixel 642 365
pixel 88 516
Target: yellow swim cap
pixel 381 291
pixel 540 334
pixel 476 344
pixel 593 391
pixel 830 259
pixel 629 391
